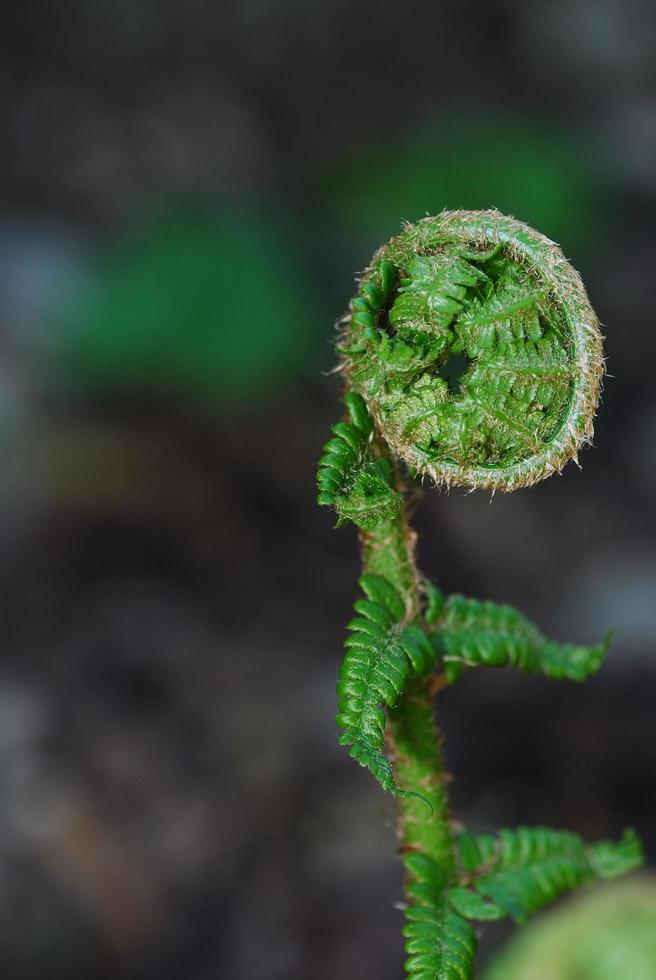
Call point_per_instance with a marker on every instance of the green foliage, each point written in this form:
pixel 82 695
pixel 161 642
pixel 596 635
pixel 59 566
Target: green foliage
pixel 381 653
pixel 473 633
pixel 513 873
pixel 351 477
pixel 522 870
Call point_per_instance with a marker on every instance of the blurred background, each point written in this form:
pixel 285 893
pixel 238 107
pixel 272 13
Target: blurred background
pixel 188 190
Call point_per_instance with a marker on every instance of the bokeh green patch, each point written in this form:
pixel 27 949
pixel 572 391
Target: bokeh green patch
pixel 208 303
pixel 536 172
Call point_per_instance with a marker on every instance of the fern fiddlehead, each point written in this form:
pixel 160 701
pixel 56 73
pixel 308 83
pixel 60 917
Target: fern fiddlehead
pixel 471 357
pixel 498 303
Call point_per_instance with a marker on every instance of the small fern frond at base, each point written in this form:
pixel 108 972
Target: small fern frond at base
pixel 517 872
pixel 381 654
pixel 472 633
pixel 440 942
pixel 351 478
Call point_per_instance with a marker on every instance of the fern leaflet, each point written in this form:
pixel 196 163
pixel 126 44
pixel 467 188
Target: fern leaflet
pixel 381 653
pixel 434 290
pixel 351 478
pixel 472 633
pixel 519 871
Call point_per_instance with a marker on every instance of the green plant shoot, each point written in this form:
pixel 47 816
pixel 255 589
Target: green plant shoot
pixel 471 357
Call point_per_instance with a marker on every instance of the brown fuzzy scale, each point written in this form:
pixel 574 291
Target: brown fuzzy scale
pixel 544 261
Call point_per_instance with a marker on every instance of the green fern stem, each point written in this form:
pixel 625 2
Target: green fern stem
pixel 413 739
pixel 388 550
pixel 415 744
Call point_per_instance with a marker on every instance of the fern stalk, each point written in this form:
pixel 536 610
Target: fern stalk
pixel 413 739
pixel 471 356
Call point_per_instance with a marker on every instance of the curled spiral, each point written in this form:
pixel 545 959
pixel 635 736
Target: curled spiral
pixel 475 348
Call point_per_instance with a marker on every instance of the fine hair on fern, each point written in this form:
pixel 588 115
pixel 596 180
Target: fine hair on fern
pixel 471 357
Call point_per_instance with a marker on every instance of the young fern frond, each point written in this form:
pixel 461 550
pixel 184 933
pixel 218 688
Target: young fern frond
pixel 440 942
pixel 488 289
pixel 471 354
pixel 473 633
pixel 381 654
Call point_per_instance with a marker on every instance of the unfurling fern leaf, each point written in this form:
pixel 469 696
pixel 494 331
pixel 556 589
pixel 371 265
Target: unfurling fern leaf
pixel 519 871
pixel 500 299
pixel 471 356
pixel 381 653
pixel 439 940
pixel 351 478
pixel 472 633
